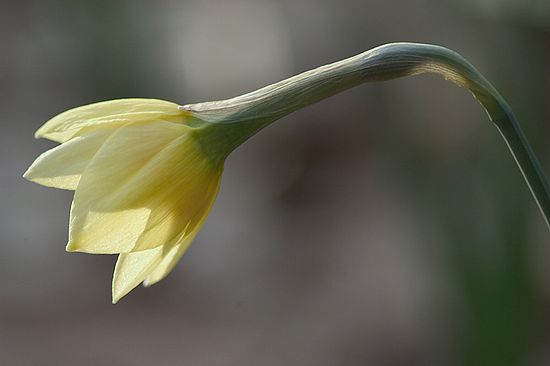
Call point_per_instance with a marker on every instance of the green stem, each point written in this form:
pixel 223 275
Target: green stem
pixel 527 162
pixel 245 115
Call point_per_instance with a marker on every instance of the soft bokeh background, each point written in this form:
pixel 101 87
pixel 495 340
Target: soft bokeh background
pixel 387 225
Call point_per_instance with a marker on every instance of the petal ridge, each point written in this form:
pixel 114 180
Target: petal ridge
pixel 112 113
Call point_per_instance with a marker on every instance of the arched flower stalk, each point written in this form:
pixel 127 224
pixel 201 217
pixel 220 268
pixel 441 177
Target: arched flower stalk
pixel 146 172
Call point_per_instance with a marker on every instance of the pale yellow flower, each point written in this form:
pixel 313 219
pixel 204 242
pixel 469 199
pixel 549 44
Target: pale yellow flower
pixel 143 183
pixel 146 172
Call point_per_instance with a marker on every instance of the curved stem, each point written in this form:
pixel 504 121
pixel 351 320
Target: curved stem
pixel 527 162
pixel 244 115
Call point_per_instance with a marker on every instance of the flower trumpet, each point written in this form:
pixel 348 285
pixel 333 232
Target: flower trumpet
pixel 146 172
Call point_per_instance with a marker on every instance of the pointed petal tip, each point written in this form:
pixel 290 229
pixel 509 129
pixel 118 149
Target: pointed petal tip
pixel 43 132
pixel 131 269
pixel 119 290
pixel 28 174
pixel 71 247
pixel 78 242
pixel 116 296
pixel 77 247
pixel 38 134
pixel 59 183
pixel 150 281
pixel 147 283
pixel 32 176
pixel 115 293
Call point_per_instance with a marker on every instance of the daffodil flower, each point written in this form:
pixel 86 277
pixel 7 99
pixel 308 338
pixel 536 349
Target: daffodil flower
pixel 146 172
pixel 143 183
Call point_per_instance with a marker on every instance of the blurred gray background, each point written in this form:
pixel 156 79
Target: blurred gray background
pixel 387 225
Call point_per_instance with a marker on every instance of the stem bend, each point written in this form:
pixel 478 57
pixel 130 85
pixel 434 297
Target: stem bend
pixel 246 114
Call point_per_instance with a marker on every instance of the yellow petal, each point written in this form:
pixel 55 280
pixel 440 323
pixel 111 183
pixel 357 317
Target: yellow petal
pixel 171 258
pixel 152 265
pixel 166 265
pixel 141 190
pixel 62 166
pixel 114 113
pixel 95 226
pixel 131 269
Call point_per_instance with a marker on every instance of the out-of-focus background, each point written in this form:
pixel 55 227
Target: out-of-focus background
pixel 387 225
